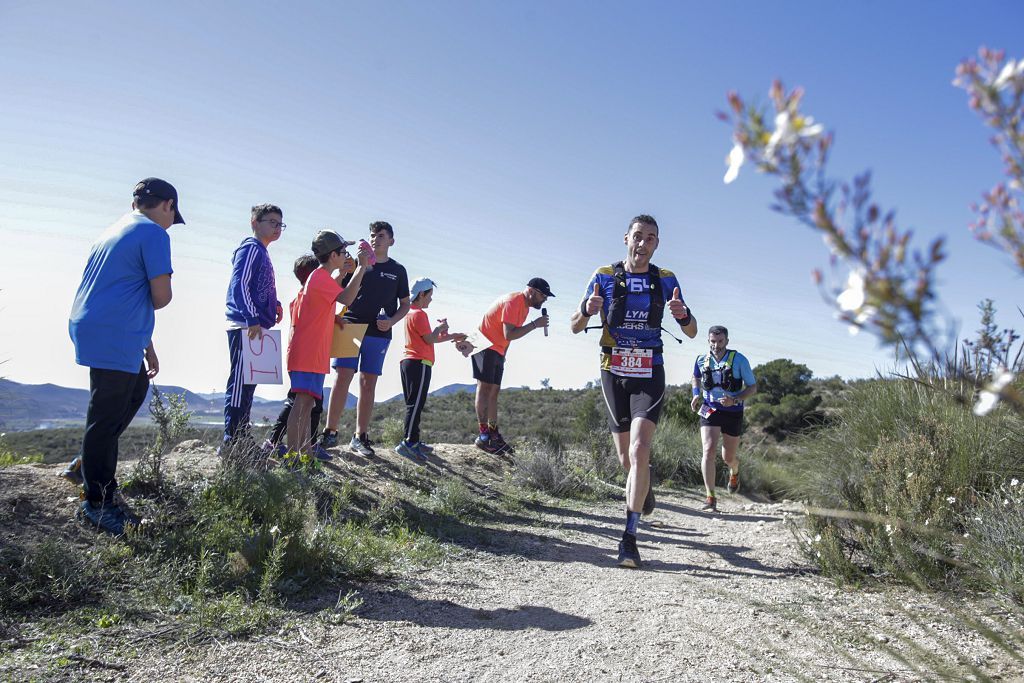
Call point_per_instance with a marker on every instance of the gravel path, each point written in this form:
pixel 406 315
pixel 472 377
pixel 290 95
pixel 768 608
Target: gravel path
pixel 721 597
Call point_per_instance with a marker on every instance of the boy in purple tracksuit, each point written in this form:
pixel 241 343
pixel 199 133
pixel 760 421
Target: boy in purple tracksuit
pixel 252 306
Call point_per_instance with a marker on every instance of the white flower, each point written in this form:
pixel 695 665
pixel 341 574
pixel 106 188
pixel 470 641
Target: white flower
pixel 1006 501
pixel 734 160
pixel 852 298
pixel 817 538
pixel 927 522
pixel 988 398
pixel 967 535
pixel 783 134
pixel 1014 481
pixel 951 500
pixel 274 529
pixel 888 529
pixel 977 519
pixel 1010 71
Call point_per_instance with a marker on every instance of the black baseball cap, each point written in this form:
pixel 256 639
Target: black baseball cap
pixel 161 189
pixel 327 241
pixel 541 285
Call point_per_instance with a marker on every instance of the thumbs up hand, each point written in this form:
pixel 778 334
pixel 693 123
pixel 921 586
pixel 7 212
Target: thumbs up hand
pixel 676 306
pixel 595 301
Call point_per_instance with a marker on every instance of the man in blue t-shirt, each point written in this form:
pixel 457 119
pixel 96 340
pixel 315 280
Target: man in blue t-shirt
pixel 722 380
pixel 127 277
pixel 634 299
pixel 382 303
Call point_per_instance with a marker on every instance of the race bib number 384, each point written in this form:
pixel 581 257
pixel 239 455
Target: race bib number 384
pixel 632 362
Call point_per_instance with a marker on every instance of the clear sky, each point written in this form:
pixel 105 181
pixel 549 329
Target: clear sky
pixel 502 140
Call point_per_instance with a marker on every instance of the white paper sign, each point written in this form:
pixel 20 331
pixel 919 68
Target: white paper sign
pixel 261 358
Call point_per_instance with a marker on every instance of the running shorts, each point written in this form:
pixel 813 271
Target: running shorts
pixel 488 366
pixel 730 421
pixel 370 359
pixel 311 383
pixel 628 398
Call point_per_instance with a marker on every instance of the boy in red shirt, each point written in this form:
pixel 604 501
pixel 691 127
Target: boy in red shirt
pixel 417 364
pixel 309 347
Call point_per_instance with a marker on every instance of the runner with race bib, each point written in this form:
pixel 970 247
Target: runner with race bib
pixel 634 299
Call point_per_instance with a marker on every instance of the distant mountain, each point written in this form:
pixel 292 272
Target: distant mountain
pixel 443 391
pixel 28 406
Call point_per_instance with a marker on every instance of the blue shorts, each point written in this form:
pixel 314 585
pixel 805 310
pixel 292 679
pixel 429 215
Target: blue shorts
pixel 370 359
pixel 311 383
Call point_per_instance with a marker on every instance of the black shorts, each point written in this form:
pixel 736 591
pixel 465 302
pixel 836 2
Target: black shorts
pixel 488 366
pixel 731 421
pixel 631 397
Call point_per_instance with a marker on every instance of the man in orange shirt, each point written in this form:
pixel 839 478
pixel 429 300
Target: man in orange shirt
pixel 504 322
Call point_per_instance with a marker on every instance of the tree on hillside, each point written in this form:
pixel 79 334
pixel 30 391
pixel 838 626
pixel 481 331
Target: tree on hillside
pixel 785 402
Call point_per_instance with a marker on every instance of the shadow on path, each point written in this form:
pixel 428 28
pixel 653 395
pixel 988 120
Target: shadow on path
pixel 401 606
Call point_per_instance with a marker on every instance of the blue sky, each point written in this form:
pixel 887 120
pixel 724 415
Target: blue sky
pixel 502 140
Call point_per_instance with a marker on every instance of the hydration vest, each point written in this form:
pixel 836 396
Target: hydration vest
pixel 617 308
pixel 730 382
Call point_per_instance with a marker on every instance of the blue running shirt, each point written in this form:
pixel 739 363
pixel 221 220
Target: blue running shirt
pixel 634 332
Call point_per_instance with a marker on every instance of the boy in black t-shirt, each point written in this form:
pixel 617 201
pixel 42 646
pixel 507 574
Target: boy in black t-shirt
pixel 382 303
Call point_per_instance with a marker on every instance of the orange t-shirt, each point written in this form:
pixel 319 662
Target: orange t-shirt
pixel 309 345
pixel 417 324
pixel 511 309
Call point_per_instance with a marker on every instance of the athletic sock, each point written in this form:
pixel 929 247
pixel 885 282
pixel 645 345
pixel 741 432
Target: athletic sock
pixel 711 493
pixel 632 519
pixel 483 428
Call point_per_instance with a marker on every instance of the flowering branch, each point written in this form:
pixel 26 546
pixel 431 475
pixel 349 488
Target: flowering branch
pixel 996 91
pixel 890 288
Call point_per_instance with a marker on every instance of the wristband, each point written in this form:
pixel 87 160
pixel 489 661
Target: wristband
pixel 583 309
pixel 696 391
pixel 683 322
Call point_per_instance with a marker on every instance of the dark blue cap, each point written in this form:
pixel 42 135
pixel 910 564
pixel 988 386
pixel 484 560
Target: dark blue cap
pixel 161 189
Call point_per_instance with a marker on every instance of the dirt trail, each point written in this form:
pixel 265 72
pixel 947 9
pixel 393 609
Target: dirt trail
pixel 723 597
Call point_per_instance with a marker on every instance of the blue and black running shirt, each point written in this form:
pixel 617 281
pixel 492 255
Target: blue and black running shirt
pixel 634 332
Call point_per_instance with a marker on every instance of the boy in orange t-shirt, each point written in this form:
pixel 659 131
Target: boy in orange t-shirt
pixel 417 364
pixel 309 347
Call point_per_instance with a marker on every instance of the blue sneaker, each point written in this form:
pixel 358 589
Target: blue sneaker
pixel 73 472
pixel 425 448
pixel 407 450
pixel 329 439
pixel 629 555
pixel 109 517
pixel 423 455
pixel 320 454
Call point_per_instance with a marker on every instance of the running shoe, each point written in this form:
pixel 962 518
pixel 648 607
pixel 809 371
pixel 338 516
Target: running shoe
pixel 484 443
pixel 425 448
pixel 734 483
pixel 649 501
pixel 710 504
pixel 73 472
pixel 499 442
pixel 361 445
pixel 408 450
pixel 110 517
pixel 629 554
pixel 423 454
pixel 319 452
pixel 329 439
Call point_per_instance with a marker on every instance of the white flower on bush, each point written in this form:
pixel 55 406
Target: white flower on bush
pixel 1006 502
pixel 788 130
pixel 1014 481
pixel 1010 71
pixel 951 500
pixel 989 397
pixel 889 529
pixel 274 530
pixel 852 300
pixel 735 160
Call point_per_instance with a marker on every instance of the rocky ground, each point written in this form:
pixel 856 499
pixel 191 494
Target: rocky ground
pixel 724 596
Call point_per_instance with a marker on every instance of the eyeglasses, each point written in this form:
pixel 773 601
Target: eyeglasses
pixel 273 223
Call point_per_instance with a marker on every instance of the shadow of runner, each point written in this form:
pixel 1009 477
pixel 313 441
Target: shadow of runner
pixel 723 514
pixel 401 606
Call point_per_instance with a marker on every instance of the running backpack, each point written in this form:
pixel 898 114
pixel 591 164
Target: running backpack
pixel 617 308
pixel 730 382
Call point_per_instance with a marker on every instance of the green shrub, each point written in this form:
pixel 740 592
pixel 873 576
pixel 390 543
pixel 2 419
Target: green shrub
pixel 676 453
pixel 994 541
pixel 909 462
pixel 392 431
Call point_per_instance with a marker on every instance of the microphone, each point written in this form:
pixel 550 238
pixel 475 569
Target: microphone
pixel 544 312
